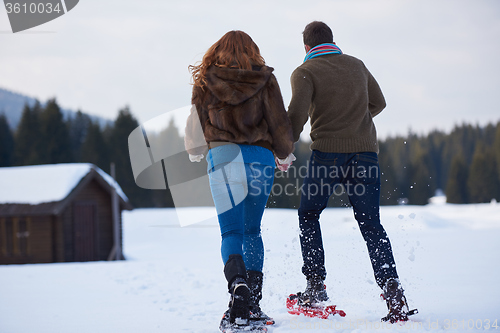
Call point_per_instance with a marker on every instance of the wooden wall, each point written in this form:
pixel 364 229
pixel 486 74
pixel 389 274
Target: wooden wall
pixel 92 193
pixel 26 240
pixel 50 238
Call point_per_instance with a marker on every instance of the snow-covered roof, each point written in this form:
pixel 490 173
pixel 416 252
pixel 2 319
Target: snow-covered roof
pixel 46 183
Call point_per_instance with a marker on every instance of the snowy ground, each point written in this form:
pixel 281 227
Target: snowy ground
pixel 447 256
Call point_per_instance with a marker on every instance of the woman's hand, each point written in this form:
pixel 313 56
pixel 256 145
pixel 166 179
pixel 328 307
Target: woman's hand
pixel 196 158
pixel 284 164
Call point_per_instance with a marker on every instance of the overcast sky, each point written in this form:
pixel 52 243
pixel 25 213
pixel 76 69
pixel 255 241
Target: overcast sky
pixel 435 60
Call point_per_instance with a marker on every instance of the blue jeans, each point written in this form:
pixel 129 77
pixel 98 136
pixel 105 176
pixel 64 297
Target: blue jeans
pixel 240 192
pixel 359 173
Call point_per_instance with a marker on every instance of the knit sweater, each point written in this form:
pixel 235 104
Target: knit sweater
pixel 341 97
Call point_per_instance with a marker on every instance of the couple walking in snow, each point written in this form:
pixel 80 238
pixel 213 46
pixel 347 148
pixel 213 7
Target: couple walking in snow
pixel 247 130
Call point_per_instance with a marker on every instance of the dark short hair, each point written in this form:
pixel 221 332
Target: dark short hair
pixel 316 33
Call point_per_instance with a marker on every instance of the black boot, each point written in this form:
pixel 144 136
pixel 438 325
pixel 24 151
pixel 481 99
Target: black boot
pixel 396 302
pixel 315 292
pixel 254 280
pixel 238 312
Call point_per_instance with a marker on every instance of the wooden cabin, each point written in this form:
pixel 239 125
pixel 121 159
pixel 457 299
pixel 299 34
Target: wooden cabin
pixel 58 213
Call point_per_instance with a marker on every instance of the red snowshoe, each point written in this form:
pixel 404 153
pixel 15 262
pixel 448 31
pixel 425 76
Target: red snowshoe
pixel 316 310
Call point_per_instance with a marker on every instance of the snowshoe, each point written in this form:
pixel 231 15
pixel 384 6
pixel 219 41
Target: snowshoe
pixel 260 317
pixel 296 306
pixel 227 325
pixel 315 292
pixel 238 303
pixel 396 302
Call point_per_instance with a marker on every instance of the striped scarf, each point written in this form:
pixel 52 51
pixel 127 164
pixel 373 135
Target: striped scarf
pixel 322 49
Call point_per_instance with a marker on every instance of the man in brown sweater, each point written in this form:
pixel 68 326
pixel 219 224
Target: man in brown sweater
pixel 341 97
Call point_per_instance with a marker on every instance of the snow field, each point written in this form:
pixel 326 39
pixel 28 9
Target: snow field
pixel 447 257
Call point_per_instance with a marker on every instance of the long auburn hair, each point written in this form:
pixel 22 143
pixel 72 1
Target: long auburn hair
pixel 235 49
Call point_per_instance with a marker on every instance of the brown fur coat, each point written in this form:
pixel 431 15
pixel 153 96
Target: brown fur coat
pixel 242 106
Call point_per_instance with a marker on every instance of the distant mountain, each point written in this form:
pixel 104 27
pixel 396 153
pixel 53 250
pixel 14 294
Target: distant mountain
pixel 12 104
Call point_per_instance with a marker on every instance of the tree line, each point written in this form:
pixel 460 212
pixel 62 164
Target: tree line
pixel 43 136
pixel 464 164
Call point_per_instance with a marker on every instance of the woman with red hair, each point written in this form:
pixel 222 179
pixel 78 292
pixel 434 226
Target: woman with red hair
pixel 238 103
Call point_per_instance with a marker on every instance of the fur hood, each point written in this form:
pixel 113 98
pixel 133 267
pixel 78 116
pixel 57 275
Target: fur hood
pixel 240 106
pixel 235 86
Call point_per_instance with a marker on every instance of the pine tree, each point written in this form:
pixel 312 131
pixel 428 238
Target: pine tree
pixel 435 146
pixel 401 152
pixel 78 127
pixel 422 184
pixel 496 148
pixel 483 182
pixel 456 189
pixel 55 139
pixel 389 193
pixel 118 135
pixel 461 141
pixel 6 143
pixel 28 142
pixel 171 143
pixel 94 148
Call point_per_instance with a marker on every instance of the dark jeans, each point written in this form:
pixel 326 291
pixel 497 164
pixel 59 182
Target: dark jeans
pixel 359 173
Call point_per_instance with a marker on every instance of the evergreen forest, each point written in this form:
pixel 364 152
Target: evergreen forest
pixel 464 164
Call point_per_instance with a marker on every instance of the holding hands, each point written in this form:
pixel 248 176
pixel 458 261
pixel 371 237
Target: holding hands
pixel 196 158
pixel 284 164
